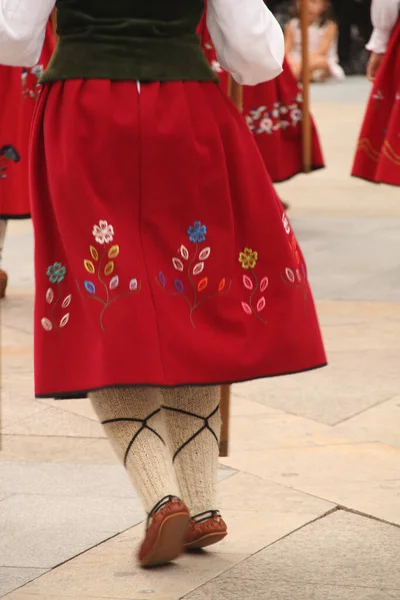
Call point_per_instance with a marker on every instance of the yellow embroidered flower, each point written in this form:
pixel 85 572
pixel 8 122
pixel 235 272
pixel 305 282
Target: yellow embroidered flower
pixel 248 258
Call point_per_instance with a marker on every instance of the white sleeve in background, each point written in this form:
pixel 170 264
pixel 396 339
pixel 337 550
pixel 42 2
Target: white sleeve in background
pixel 248 39
pixel 22 30
pixel 384 15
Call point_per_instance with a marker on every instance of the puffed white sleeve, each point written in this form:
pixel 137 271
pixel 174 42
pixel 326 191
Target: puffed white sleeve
pixel 384 15
pixel 247 38
pixel 22 30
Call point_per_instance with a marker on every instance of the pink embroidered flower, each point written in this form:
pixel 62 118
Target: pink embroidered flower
pixel 296 115
pixel 103 232
pixel 266 125
pixel 286 224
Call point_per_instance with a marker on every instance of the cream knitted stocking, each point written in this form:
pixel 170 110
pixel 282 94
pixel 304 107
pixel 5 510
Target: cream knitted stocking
pixel 133 422
pixel 193 427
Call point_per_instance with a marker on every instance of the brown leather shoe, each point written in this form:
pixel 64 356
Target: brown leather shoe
pixel 204 530
pixel 166 527
pixel 3 283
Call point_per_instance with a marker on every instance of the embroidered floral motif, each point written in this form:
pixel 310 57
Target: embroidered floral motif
pixel 30 81
pixel 7 154
pixel 56 274
pixel 197 233
pixel 269 119
pixel 296 274
pixel 103 232
pixel 102 265
pixel 248 259
pixel 192 265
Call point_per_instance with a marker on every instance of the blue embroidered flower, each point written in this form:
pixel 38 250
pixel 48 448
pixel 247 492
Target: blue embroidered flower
pixel 179 286
pixel 56 272
pixel 162 279
pixel 10 153
pixel 90 287
pixel 197 232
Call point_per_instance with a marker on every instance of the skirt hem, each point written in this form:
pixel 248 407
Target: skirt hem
pixel 79 395
pixel 9 217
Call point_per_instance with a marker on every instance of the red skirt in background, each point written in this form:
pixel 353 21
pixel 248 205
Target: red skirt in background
pixel 274 113
pixel 378 151
pixel 18 92
pixel 163 255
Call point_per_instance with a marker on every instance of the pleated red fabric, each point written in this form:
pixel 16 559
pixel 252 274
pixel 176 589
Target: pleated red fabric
pixel 163 256
pixel 18 93
pixel 274 114
pixel 377 156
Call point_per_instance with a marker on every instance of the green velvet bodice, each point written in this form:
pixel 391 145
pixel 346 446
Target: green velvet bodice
pixel 143 40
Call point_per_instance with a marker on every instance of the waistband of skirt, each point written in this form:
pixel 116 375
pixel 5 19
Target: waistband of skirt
pixel 130 60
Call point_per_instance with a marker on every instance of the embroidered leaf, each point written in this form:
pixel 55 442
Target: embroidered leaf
pixel 47 324
pixel 90 287
pixel 109 268
pixel 64 320
pixel 113 252
pixel 179 286
pixel 261 304
pixel 114 283
pixel 248 284
pixel 202 284
pixel 290 275
pixel 264 284
pixel 66 301
pixel 221 285
pixel 184 252
pixel 204 254
pixel 178 264
pixel 246 308
pixel 94 254
pixel 161 278
pixel 198 268
pixel 133 284
pixel 298 275
pixel 89 266
pixel 49 296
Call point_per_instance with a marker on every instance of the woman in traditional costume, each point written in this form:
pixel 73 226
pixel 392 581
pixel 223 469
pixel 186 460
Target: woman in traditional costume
pixel 274 113
pixel 165 265
pixel 377 157
pixel 19 89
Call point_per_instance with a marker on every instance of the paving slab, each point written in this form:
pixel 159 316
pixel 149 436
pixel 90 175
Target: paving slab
pixel 56 422
pixel 110 571
pixel 44 531
pixel 342 556
pixel 360 476
pixel 379 423
pixel 322 396
pixel 14 577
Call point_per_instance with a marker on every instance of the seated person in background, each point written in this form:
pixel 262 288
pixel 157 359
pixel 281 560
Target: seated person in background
pixel 322 42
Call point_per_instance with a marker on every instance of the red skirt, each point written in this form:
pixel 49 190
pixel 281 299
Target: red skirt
pixel 18 93
pixel 274 114
pixel 163 256
pixel 377 157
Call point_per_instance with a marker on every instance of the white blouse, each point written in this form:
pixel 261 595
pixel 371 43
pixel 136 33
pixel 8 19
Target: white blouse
pixel 247 37
pixel 384 16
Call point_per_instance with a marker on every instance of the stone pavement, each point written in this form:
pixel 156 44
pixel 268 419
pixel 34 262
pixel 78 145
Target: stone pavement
pixel 311 490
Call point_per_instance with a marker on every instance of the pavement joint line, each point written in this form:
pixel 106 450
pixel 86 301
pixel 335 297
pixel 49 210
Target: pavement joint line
pixel 364 410
pixel 319 518
pixel 359 513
